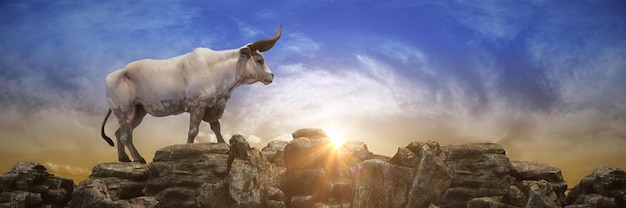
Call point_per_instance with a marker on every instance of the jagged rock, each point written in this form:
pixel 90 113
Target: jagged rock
pixel 114 185
pixel 244 185
pixel 30 184
pixel 381 184
pixel 604 187
pixel 214 195
pixel 309 172
pixel 179 174
pixel 478 170
pixel 488 202
pixel 404 157
pixel 130 171
pixel 432 176
pixel 540 194
pixel 515 197
pixel 238 149
pixel 94 193
pixel 536 171
pixel 186 151
pixel 275 152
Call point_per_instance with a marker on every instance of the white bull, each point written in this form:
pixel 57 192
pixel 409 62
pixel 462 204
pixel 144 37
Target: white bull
pixel 199 82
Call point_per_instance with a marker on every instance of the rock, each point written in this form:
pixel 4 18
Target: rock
pixel 381 184
pixel 488 202
pixel 478 170
pixel 539 194
pixel 305 153
pixel 244 185
pixel 186 151
pixel 404 157
pixel 432 176
pixel 302 201
pixel 30 184
pixel 275 152
pixel 214 195
pixel 114 185
pixel 310 133
pixel 130 171
pixel 309 172
pixel 304 182
pixel 515 197
pixel 536 171
pixel 238 148
pixel 604 187
pixel 94 193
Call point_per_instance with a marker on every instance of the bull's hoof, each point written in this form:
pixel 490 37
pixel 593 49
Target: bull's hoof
pixel 124 159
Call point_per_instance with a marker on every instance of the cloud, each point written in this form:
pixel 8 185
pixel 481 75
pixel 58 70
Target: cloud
pixel 301 45
pixel 499 20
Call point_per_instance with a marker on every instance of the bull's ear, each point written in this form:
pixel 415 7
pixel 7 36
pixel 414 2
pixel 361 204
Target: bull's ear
pixel 246 51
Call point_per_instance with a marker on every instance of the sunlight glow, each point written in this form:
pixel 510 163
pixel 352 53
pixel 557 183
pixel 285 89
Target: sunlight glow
pixel 336 137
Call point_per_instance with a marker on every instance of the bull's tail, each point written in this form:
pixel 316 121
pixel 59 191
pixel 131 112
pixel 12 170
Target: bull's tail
pixel 104 136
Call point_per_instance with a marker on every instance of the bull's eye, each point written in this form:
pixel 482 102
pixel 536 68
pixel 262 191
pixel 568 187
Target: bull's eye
pixel 260 61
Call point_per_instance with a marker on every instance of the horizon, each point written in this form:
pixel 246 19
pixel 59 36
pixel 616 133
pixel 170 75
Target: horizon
pixel 544 79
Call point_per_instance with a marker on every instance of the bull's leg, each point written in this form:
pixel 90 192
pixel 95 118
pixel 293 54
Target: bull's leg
pixel 121 153
pixel 195 117
pixel 140 113
pixel 126 135
pixel 215 126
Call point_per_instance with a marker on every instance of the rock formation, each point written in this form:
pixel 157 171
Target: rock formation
pixel 605 187
pixel 310 172
pixel 30 185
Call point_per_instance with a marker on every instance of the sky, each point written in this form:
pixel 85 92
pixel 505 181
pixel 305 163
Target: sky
pixel 546 79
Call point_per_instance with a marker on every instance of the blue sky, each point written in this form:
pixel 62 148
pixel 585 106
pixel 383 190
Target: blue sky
pixel 544 78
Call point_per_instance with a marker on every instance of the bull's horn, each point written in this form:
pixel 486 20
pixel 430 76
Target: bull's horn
pixel 266 44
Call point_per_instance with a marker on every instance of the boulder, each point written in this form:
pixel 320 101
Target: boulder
pixel 244 184
pixel 304 153
pixel 432 176
pixel 382 184
pixel 114 185
pixel 179 172
pixel 477 170
pixel 30 184
pixel 540 194
pixel 311 133
pixel 95 193
pixel 275 152
pixel 604 187
pixel 536 171
pixel 347 158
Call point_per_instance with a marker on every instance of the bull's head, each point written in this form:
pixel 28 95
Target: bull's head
pixel 255 68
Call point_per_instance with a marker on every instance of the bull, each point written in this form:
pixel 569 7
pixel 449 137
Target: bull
pixel 199 82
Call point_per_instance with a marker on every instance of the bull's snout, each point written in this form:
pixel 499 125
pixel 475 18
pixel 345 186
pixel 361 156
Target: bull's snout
pixel 269 78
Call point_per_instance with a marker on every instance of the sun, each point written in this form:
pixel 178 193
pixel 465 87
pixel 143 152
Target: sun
pixel 337 142
pixel 336 138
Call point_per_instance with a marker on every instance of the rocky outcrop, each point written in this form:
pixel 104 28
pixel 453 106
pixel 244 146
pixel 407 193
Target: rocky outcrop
pixel 535 171
pixel 29 184
pixel 478 170
pixel 187 175
pixel 114 185
pixel 311 172
pixel 604 187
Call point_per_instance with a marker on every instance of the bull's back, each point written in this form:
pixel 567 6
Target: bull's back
pixel 147 82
